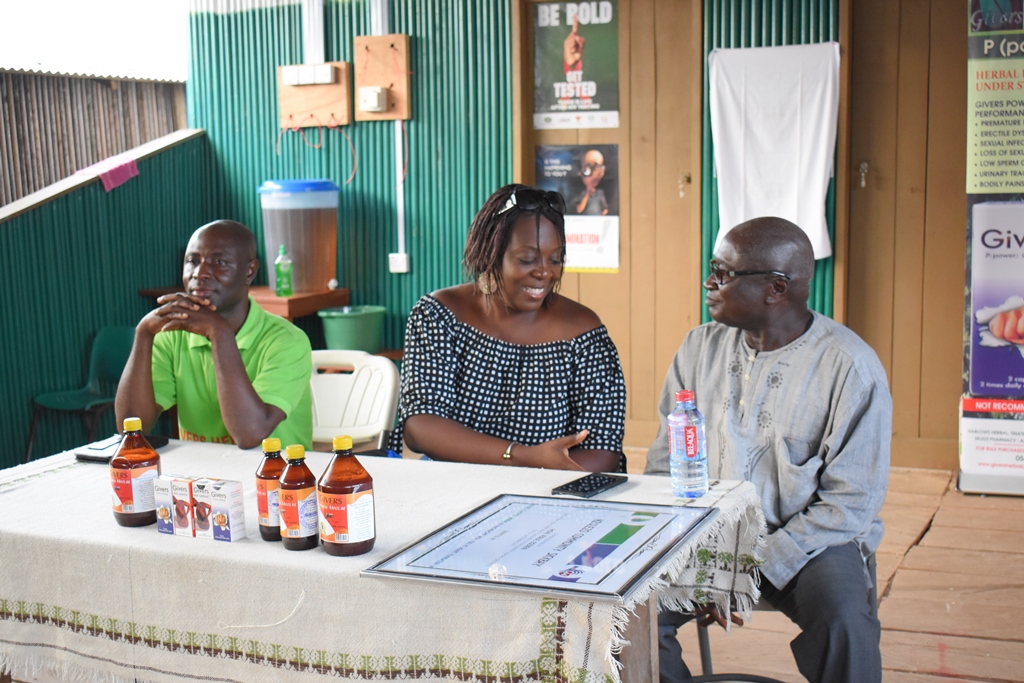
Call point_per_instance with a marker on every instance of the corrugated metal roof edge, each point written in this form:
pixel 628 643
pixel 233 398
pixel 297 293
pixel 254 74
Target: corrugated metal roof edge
pixel 101 77
pixel 233 6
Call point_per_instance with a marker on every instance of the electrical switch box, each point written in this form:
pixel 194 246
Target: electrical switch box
pixel 307 74
pixel 383 62
pixel 373 98
pixel 398 263
pixel 312 95
pixel 323 74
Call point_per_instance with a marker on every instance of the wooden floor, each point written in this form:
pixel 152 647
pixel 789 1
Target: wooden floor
pixel 951 586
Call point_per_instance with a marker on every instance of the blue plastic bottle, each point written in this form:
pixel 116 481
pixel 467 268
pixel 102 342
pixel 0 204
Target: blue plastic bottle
pixel 688 448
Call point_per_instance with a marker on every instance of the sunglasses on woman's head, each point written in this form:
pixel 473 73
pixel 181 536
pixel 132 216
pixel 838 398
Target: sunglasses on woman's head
pixel 531 200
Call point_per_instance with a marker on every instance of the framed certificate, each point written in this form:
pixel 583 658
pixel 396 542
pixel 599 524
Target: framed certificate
pixel 601 550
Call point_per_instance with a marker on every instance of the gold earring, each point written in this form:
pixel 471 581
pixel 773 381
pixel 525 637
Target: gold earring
pixel 486 284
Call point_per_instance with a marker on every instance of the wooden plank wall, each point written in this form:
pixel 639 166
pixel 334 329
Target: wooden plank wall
pixel 907 225
pixel 654 299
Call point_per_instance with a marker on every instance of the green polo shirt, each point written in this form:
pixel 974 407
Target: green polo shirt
pixel 277 359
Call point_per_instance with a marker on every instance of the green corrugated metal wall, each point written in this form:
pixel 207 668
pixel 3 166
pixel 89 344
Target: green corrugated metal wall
pixel 459 136
pixel 74 265
pixel 764 23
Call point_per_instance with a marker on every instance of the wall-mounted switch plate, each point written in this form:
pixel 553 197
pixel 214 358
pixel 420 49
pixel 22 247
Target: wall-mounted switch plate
pixel 290 75
pixel 398 263
pixel 373 98
pixel 323 74
pixel 307 74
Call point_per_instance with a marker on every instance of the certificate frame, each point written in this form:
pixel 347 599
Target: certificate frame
pixel 593 549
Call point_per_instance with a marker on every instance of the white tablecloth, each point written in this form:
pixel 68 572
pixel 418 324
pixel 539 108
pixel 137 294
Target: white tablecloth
pixel 92 601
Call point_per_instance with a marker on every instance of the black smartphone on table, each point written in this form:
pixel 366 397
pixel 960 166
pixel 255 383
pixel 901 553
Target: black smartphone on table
pixel 103 450
pixel 590 485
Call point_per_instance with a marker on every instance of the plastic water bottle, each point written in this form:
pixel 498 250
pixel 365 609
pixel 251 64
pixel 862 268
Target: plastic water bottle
pixel 283 273
pixel 688 448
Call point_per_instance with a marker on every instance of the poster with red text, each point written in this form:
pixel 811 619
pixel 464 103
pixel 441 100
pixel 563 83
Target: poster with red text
pixel 576 64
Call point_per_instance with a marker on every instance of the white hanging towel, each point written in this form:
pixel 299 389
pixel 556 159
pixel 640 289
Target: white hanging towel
pixel 773 122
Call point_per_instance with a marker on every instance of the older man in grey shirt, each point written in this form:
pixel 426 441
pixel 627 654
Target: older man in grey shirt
pixel 799 405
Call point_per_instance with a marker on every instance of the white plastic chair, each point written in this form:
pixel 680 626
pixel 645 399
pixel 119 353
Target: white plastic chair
pixel 354 393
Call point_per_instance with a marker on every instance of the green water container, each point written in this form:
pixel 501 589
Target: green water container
pixel 355 328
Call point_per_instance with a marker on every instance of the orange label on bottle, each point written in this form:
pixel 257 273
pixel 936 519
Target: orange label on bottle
pixel 132 490
pixel 346 518
pixel 298 512
pixel 267 503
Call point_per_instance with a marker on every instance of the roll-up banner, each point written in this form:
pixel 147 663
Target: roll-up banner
pixel 991 410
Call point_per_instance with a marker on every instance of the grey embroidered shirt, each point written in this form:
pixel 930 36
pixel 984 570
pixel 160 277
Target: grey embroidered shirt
pixel 809 424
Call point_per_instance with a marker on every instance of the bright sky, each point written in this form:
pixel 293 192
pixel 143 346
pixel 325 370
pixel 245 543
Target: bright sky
pixel 132 39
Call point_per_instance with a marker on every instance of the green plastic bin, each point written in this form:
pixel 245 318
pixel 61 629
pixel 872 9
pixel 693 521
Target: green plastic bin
pixel 356 328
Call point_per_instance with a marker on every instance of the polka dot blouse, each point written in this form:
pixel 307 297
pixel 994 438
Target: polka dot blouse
pixel 523 393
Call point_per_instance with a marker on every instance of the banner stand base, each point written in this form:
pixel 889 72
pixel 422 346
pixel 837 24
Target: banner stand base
pixel 991 446
pixel 1001 485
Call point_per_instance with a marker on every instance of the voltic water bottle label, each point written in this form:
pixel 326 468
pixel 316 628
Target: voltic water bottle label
pixel 690 437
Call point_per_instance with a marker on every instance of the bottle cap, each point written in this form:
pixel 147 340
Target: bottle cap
pixel 271 444
pixel 132 424
pixel 342 443
pixel 282 250
pixel 295 452
pixel 684 395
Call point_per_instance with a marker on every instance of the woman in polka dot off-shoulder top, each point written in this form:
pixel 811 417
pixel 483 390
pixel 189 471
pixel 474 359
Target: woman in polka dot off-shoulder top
pixel 503 370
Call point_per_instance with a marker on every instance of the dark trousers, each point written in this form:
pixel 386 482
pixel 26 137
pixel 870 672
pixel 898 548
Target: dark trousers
pixel 829 599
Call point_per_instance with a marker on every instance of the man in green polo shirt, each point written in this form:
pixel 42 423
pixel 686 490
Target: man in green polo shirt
pixel 236 373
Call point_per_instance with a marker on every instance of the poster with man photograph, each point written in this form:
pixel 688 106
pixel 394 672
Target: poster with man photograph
pixel 576 64
pixel 587 176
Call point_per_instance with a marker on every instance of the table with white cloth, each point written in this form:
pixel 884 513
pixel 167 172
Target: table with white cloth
pixel 84 599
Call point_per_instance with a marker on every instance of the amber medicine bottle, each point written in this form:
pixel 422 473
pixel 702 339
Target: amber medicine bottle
pixel 133 470
pixel 297 498
pixel 268 475
pixel 345 501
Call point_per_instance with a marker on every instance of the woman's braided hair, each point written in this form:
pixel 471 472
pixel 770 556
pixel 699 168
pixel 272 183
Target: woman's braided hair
pixel 492 227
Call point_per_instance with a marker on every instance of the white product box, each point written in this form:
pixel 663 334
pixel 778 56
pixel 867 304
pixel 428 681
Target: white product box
pixel 227 516
pixel 164 503
pixel 202 495
pixel 184 506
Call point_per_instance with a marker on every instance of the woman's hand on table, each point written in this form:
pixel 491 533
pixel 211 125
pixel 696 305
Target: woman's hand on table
pixel 444 439
pixel 552 455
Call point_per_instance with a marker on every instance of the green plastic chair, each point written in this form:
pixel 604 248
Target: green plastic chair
pixel 107 359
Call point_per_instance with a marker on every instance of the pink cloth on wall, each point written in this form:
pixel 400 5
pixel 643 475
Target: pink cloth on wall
pixel 112 171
